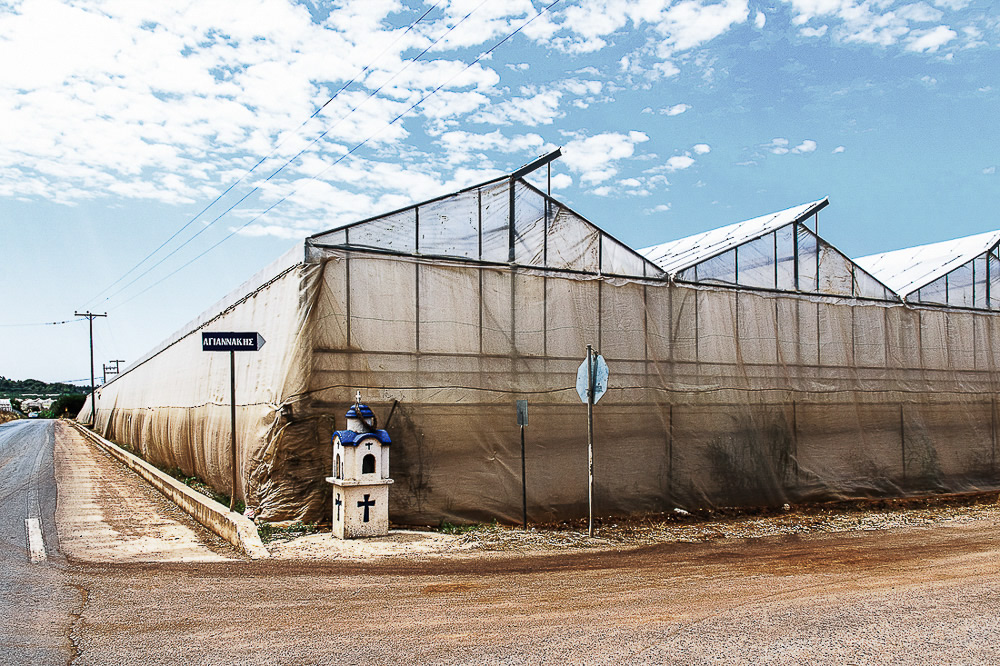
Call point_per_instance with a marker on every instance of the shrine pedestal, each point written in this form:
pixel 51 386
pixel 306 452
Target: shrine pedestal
pixel 360 510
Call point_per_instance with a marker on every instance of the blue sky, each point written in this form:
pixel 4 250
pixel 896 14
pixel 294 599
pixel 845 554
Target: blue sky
pixel 121 120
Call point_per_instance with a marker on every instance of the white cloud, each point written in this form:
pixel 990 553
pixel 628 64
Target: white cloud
pixel 920 12
pixel 679 162
pixel 701 148
pixel 778 146
pixel 814 32
pixel 659 208
pixel 759 20
pixel 675 110
pixel 952 4
pixel 461 146
pixel 929 41
pixel 928 80
pixel 680 26
pixel 807 146
pixel 838 149
pixel 990 170
pixel 536 107
pixel 595 157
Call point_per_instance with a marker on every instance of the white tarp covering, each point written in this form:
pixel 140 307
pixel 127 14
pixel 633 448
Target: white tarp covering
pixel 717 395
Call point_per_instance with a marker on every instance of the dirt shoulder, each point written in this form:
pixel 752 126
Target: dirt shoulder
pixel 616 534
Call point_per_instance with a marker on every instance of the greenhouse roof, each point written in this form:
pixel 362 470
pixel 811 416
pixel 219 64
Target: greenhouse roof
pixel 675 256
pixel 502 221
pixel 909 269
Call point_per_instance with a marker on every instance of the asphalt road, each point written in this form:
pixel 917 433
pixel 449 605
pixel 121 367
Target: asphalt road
pixel 38 601
pixel 901 596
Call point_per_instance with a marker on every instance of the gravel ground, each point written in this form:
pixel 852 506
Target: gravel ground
pixel 618 534
pixel 683 527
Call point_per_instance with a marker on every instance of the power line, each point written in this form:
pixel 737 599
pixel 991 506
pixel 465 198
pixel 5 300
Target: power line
pixel 291 160
pixel 294 132
pixel 342 157
pixel 44 323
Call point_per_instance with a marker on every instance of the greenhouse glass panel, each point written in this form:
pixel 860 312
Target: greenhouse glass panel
pixel 755 263
pixel 495 205
pixel 450 226
pixel 338 237
pixel 786 257
pixel 807 259
pixel 573 243
pixel 960 286
pixel 718 269
pixel 935 292
pixel 392 232
pixel 981 276
pixel 866 286
pixel 993 263
pixel 529 226
pixel 618 259
pixel 836 272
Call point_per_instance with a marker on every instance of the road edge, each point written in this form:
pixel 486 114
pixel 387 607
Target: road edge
pixel 229 525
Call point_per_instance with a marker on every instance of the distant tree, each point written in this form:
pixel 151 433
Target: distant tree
pixel 66 405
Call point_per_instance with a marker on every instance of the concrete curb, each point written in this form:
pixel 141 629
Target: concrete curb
pixel 231 526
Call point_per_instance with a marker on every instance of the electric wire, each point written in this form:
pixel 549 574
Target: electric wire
pixel 274 150
pixel 44 323
pixel 340 159
pixel 288 162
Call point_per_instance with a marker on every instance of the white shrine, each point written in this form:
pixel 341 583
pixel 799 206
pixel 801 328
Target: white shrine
pixel 360 476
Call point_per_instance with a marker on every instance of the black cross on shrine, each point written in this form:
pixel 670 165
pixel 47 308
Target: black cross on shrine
pixel 338 503
pixel 367 503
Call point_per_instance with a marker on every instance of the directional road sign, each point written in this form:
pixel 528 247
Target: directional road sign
pixel 229 341
pixel 600 376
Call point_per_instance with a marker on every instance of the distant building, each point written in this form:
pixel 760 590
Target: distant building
pixel 5 405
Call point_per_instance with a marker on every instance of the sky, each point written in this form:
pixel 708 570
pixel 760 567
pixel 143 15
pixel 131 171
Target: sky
pixel 155 155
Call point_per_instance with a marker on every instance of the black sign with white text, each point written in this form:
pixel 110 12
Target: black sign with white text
pixel 223 342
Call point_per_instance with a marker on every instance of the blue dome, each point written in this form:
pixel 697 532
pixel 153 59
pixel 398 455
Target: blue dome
pixel 360 412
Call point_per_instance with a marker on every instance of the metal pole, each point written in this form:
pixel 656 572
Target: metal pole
pixel 93 399
pixel 93 403
pixel 232 401
pixel 524 485
pixel 590 441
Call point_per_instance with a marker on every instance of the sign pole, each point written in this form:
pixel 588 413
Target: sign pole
pixel 232 426
pixel 522 420
pixel 524 485
pixel 246 341
pixel 590 441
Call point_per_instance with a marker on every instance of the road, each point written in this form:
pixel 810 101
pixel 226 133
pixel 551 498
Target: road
pixel 901 596
pixel 39 600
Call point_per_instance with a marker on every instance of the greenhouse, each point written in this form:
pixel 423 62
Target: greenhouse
pixel 751 365
pixel 964 272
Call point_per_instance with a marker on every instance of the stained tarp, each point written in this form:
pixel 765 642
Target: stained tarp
pixel 718 395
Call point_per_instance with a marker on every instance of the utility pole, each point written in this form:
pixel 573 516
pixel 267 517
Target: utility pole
pixel 93 405
pixel 116 362
pixel 104 377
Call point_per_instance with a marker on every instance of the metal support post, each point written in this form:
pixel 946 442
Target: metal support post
pixel 232 428
pixel 590 441
pixel 93 402
pixel 524 485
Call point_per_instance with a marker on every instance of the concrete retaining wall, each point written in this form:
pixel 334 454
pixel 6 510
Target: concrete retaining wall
pixel 231 526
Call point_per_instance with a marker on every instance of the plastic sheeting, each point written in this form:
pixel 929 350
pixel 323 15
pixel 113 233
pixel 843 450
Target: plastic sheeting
pixel 717 395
